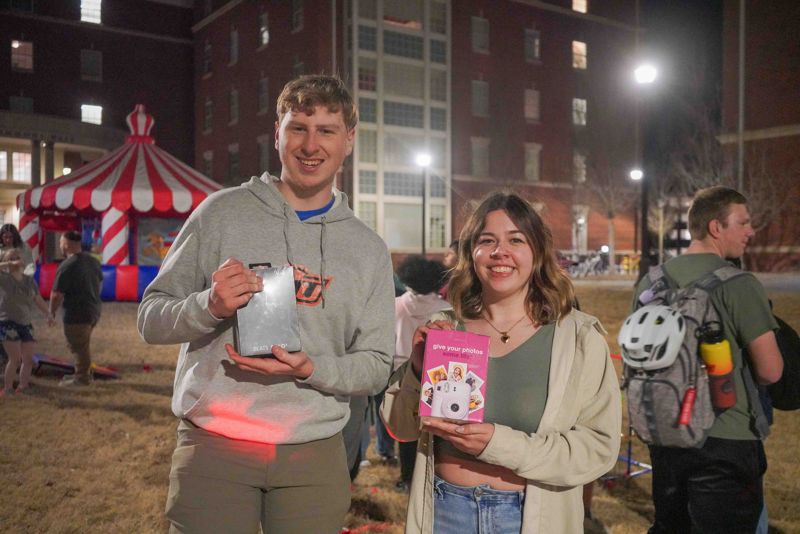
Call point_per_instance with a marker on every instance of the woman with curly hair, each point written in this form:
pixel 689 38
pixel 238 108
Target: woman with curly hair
pixel 552 409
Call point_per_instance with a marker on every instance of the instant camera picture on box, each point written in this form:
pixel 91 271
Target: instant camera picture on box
pixel 454 376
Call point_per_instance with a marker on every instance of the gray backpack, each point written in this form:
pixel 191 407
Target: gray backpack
pixel 657 397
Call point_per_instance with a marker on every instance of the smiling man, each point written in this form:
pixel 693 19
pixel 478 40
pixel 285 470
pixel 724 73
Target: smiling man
pixel 259 439
pixel 718 487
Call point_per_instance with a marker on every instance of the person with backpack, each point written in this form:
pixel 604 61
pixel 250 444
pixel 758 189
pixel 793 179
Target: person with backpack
pixel 707 478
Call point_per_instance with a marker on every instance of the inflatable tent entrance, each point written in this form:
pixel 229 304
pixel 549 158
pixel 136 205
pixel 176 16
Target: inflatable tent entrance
pixel 137 186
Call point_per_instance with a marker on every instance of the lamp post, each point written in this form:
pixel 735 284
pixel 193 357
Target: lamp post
pixel 644 74
pixel 423 160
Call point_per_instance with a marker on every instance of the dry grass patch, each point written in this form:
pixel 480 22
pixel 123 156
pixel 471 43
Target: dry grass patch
pixel 97 459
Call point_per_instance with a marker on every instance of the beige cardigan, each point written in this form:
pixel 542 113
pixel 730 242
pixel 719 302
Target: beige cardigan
pixel 577 440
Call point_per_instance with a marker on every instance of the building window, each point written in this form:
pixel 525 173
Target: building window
pixel 3 166
pixel 233 53
pixel 398 114
pixel 367 38
pixel 438 51
pixel 532 45
pixel 233 162
pixel 403 13
pixel 208 163
pixel 402 79
pixel 21 166
pixel 438 119
pixel 20 104
pixel 207 57
pixel 480 35
pixel 263 95
pixel 400 148
pixel 297 15
pixel 532 105
pixel 367 212
pixel 264 146
pixel 91 11
pixel 92 65
pixel 233 106
pixel 367 146
pixel 581 6
pixel 402 225
pixel 438 16
pixel 480 98
pixel 367 110
pixel 367 182
pixel 439 85
pixel 92 114
pixel 22 56
pixel 579 111
pixel 208 115
pixel 367 74
pixel 263 28
pixel 400 44
pixel 579 166
pixel 438 186
pixel 532 161
pixel 480 156
pixel 367 9
pixel 437 226
pixel 402 184
pixel 579 59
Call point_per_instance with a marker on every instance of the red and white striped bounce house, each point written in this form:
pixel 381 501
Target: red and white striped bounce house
pixel 131 186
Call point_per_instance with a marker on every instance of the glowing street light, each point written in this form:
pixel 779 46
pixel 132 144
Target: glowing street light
pixel 645 74
pixel 636 174
pixel 423 160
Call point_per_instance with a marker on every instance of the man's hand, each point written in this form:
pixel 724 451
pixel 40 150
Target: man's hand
pixel 471 438
pixel 296 364
pixel 232 286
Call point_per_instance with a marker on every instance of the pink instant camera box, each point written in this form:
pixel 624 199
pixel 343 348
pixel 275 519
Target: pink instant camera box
pixel 454 375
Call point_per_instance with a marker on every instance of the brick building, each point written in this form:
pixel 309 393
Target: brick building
pixel 71 70
pixel 771 118
pixel 531 94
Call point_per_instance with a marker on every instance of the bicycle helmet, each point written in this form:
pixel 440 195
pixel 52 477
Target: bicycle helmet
pixel 651 337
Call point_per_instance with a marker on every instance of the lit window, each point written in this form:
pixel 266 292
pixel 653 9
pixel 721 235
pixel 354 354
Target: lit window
pixel 233 106
pixel 208 115
pixel 402 79
pixel 92 65
pixel 92 114
pixel 402 225
pixel 21 166
pixel 263 28
pixel 579 167
pixel 368 214
pixel 399 148
pixel 233 162
pixel 480 156
pixel 403 13
pixel 438 119
pixel 367 146
pixel 532 104
pixel 233 56
pixel 399 114
pixel 581 6
pixel 579 111
pixel 402 184
pixel 90 11
pixel 22 56
pixel 438 85
pixel 403 45
pixel 532 161
pixel 367 74
pixel 207 57
pixel 367 182
pixel 367 110
pixel 579 60
pixel 438 16
pixel 297 15
pixel 263 95
pixel 208 163
pixel 480 98
pixel 532 45
pixel 480 34
pixel 3 166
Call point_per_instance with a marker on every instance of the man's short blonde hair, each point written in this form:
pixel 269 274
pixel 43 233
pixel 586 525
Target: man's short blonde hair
pixel 712 203
pixel 312 90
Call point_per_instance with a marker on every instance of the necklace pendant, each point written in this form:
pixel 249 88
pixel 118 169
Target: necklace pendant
pixel 504 337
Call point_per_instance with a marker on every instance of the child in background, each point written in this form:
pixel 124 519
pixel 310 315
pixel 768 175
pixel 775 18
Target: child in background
pixel 18 294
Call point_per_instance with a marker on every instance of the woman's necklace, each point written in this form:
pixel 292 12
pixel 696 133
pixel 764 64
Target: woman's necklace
pixel 504 337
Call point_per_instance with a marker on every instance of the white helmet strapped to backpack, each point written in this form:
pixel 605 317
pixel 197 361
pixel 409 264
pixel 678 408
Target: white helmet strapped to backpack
pixel 651 337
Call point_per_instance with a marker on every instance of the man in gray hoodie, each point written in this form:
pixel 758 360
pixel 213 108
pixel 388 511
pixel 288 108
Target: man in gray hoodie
pixel 259 439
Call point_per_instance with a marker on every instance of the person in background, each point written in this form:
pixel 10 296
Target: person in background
pixel 18 295
pixel 422 277
pixel 552 408
pixel 77 286
pixel 10 239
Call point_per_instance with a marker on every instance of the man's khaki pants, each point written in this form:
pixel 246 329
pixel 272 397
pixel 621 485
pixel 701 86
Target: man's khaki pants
pixel 78 338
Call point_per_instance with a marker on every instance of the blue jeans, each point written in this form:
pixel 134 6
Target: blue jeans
pixel 475 510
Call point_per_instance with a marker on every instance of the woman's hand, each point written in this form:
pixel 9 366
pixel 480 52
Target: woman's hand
pixel 418 342
pixel 470 438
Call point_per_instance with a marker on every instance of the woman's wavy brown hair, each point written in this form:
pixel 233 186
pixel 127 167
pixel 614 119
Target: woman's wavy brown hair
pixel 550 293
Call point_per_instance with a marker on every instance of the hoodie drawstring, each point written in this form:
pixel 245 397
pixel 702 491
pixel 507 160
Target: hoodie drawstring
pixel 286 214
pixel 322 244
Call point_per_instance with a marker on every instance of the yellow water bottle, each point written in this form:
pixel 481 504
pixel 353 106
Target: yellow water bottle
pixel 715 351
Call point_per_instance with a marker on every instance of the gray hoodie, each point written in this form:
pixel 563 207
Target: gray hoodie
pixel 346 327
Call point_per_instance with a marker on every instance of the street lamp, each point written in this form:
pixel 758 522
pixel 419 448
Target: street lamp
pixel 423 160
pixel 644 74
pixel 636 174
